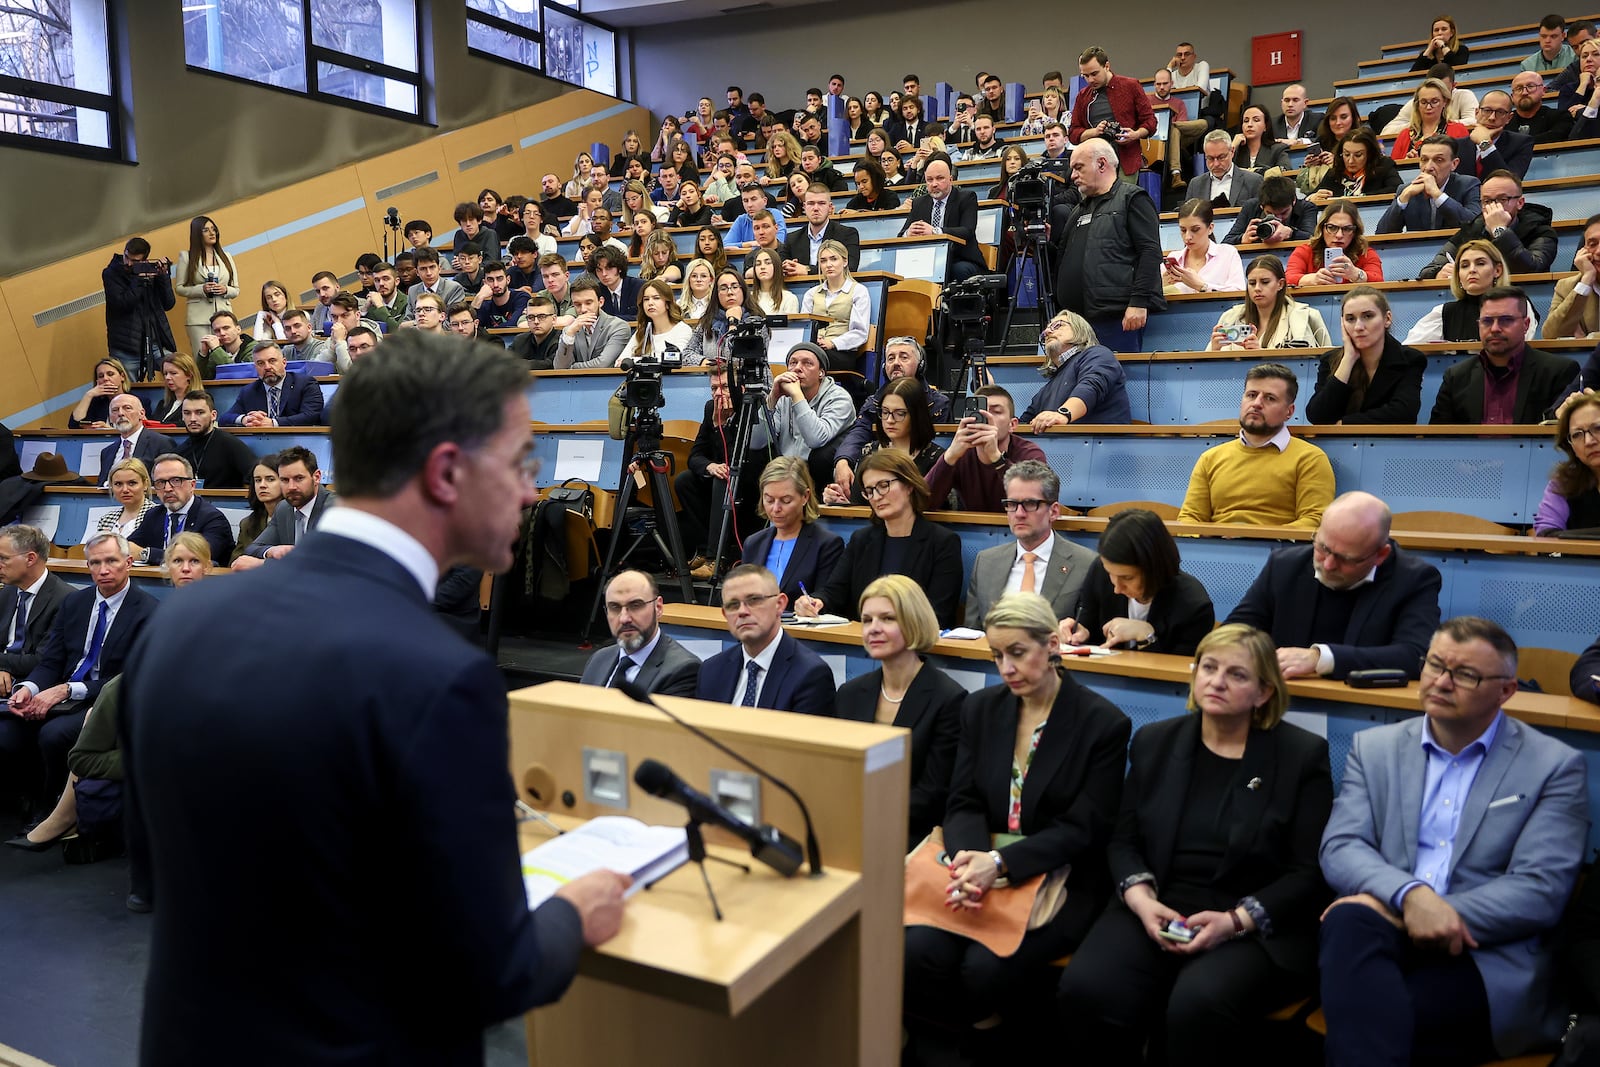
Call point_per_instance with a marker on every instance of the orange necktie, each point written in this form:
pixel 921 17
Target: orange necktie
pixel 1028 559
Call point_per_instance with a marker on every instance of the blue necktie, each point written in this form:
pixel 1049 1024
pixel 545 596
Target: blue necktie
pixel 21 622
pixel 754 670
pixel 95 642
pixel 938 214
pixel 272 402
pixel 174 525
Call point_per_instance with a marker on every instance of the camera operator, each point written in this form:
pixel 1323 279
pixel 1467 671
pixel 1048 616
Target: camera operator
pixel 806 410
pixel 138 295
pixel 1109 235
pixel 702 488
pixel 1274 216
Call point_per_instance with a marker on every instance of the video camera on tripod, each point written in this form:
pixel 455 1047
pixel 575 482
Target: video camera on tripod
pixel 641 389
pixel 1029 195
pixel 968 308
pixel 746 346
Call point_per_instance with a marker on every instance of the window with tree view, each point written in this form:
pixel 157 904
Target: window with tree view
pixel 361 51
pixel 55 76
pixel 506 30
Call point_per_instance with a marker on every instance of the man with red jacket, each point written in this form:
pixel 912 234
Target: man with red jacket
pixel 1109 98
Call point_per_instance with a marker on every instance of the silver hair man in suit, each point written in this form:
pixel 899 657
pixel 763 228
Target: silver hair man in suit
pixel 1221 179
pixel 595 339
pixel 29 600
pixel 1039 560
pixel 643 654
pixel 1453 846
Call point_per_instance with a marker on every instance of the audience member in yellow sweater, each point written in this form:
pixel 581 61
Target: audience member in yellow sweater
pixel 1266 477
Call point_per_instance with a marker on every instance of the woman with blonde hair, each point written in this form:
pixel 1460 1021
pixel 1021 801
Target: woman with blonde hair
pixel 1429 115
pixel 795 547
pixel 1034 791
pixel 94 406
pixel 1479 267
pixel 129 485
pixel 783 158
pixel 1222 814
pixel 658 258
pixel 897 628
pixel 844 302
pixel 699 277
pixel 179 374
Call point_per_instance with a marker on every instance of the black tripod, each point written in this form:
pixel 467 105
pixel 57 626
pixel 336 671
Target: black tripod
pixel 752 401
pixel 1030 234
pixel 698 855
pixel 391 225
pixel 654 465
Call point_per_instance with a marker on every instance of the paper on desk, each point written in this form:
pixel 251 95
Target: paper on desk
pixel 46 517
pixel 89 464
pixel 915 262
pixel 579 459
pixel 971 681
pixel 611 843
pixel 235 517
pixel 961 633
pixel 31 451
pixel 91 525
pixel 818 620
pixel 702 648
pixel 836 664
pixel 786 337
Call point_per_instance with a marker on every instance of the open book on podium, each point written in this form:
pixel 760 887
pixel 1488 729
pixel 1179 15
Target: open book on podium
pixel 801 970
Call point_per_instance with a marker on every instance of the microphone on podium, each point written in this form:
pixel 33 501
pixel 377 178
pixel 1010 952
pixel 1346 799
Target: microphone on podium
pixel 767 843
pixel 813 852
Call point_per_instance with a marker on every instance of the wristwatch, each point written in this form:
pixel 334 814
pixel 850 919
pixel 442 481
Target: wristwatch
pixel 999 863
pixel 1063 411
pixel 1495 233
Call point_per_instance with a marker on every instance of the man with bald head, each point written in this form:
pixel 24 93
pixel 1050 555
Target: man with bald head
pixel 1492 145
pixel 1351 600
pixel 1529 116
pixel 1108 233
pixel 126 416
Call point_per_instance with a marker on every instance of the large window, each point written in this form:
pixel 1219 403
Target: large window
pixel 547 37
pixel 363 52
pixel 55 76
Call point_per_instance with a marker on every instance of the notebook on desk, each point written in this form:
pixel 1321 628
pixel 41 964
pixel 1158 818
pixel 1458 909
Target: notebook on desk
pixel 610 843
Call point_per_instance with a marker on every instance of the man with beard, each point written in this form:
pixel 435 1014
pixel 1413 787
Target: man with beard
pixel 126 415
pixel 1350 600
pixel 220 460
pixel 181 510
pixel 643 654
pixel 306 502
pixel 277 397
pixel 386 303
pixel 1506 382
pixel 1265 477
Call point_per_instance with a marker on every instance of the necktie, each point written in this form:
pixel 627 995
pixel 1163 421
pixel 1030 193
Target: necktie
pixel 93 655
pixel 21 622
pixel 174 525
pixel 272 402
pixel 753 669
pixel 620 674
pixel 299 526
pixel 1028 559
pixel 127 447
pixel 938 214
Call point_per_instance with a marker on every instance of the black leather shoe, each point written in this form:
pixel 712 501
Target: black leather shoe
pixel 21 841
pixel 139 904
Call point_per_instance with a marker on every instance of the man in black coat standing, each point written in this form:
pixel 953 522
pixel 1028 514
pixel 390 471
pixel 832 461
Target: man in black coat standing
pixel 138 296
pixel 355 841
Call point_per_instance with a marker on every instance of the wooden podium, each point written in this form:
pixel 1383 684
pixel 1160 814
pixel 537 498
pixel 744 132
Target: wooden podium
pixel 801 970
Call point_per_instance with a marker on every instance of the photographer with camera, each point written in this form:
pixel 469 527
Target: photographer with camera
pixel 1113 108
pixel 1109 236
pixel 139 293
pixel 1274 216
pixel 984 447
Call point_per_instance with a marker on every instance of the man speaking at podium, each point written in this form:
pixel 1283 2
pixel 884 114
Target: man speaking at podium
pixel 350 845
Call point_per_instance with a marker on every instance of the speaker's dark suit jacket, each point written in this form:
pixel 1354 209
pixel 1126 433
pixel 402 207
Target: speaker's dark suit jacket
pixel 62 650
pixel 1274 829
pixel 931 710
pixel 670 669
pixel 149 445
pixel 1069 798
pixel 299 401
pixel 797 244
pixel 1545 378
pixel 797 681
pixel 932 559
pixel 1393 621
pixel 816 550
pixel 42 612
pixel 204 518
pixel 960 220
pixel 353 841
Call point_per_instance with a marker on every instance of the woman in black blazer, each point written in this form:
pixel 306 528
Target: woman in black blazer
pixel 897 625
pixel 1135 594
pixel 1222 815
pixel 1373 379
pixel 1253 146
pixel 1058 807
pixel 796 548
pixel 899 541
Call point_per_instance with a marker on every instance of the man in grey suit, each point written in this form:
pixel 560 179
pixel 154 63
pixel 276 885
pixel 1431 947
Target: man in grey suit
pixel 305 501
pixel 24 555
pixel 1453 845
pixel 643 654
pixel 1040 560
pixel 1221 179
pixel 594 339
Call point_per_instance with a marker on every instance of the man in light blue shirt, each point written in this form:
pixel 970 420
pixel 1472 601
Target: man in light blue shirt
pixel 1453 847
pixel 742 232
